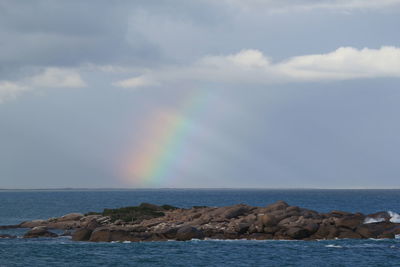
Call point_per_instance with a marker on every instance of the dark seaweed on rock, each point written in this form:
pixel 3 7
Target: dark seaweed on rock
pixel 139 213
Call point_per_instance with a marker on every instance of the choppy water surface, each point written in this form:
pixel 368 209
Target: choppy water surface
pixel 16 206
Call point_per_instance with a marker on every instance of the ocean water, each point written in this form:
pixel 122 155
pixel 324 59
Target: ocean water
pixel 17 206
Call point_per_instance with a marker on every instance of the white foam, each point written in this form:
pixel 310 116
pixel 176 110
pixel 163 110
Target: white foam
pixel 127 242
pixel 333 246
pixel 395 217
pixel 373 220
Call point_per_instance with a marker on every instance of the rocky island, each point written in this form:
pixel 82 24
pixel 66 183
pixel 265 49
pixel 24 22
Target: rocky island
pixel 279 221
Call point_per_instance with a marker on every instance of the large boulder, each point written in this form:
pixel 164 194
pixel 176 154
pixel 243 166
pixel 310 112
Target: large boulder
pixel 326 231
pixel 39 231
pixel 236 211
pixel 189 232
pixel 279 205
pixel 268 220
pixel 373 230
pixel 298 233
pixel 347 233
pixel 349 221
pixel 108 234
pixel 271 229
pixel 82 234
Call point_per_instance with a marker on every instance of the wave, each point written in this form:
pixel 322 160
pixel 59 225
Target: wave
pixel 333 246
pixel 394 218
pixel 373 220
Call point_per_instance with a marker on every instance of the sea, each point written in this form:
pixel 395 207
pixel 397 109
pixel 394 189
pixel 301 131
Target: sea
pixel 22 205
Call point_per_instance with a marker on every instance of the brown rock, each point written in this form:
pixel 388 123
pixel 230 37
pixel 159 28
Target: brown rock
pixel 268 220
pixel 236 211
pixel 82 234
pixel 293 209
pixel 373 230
pixel 347 233
pixel 349 221
pixel 271 229
pixel 188 232
pixel 39 231
pixel 311 227
pixel 297 233
pixel 387 235
pixel 379 216
pixel 70 217
pixel 339 213
pixel 32 224
pixel 326 231
pixel 279 205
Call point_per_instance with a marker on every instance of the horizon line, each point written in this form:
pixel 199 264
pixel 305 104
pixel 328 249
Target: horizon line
pixel 193 188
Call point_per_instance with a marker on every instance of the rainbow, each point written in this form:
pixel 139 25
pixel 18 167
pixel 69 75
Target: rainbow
pixel 161 143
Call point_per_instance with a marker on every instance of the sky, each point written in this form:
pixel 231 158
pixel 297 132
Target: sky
pixel 199 94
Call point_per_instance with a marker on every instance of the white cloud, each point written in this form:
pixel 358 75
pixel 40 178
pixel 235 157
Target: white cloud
pixel 289 5
pixel 10 90
pixel 58 77
pixel 253 67
pixel 140 81
pixel 48 78
pixel 344 63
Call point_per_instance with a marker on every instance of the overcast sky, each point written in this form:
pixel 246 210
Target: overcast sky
pixel 203 93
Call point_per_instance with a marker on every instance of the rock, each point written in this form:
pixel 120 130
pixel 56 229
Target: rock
pixel 297 233
pixel 70 217
pixel 295 209
pixel 66 233
pixel 149 222
pixel 287 221
pixel 236 211
pixel 189 232
pixel 242 228
pixel 168 233
pixel 32 224
pixel 251 218
pixel 377 217
pixel 373 230
pixel 349 221
pixel 279 205
pixel 309 214
pixel 387 235
pixel 271 229
pixel 326 231
pixel 347 233
pixel 338 213
pixel 3 227
pixel 108 234
pixel 311 227
pixel 260 236
pixel 256 227
pixel 268 220
pixel 7 236
pixel 82 234
pixel 90 223
pixel 39 231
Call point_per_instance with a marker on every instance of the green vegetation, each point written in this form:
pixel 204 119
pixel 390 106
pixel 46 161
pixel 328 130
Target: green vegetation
pixel 135 213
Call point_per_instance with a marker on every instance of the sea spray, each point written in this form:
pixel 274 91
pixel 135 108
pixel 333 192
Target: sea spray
pixel 394 217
